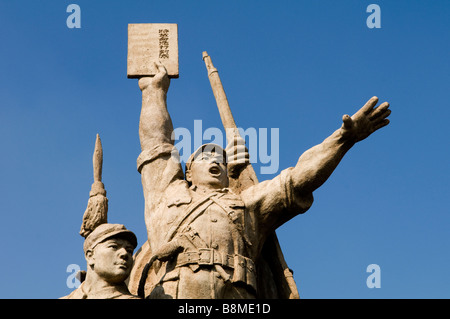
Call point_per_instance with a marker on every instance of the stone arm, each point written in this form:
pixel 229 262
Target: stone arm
pixel 158 162
pixel 274 202
pixel 316 165
pixel 155 125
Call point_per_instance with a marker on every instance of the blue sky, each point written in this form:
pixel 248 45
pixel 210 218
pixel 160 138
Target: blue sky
pixel 293 65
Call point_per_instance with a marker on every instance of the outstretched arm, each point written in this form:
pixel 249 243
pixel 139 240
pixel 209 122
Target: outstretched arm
pixel 316 164
pixel 155 125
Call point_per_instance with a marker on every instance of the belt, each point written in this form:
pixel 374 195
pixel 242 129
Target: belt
pixel 243 268
pixel 205 256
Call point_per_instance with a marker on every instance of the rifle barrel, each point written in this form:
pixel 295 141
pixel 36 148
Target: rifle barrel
pixel 219 94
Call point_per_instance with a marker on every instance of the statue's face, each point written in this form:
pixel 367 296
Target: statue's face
pixel 208 170
pixel 112 259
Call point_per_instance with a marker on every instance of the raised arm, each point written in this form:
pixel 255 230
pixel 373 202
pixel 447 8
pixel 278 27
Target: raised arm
pixel 158 162
pixel 155 125
pixel 316 164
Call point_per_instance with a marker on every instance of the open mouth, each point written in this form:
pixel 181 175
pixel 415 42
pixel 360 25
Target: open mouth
pixel 214 170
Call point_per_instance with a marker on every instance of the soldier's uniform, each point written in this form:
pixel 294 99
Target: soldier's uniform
pixel 210 240
pixel 112 292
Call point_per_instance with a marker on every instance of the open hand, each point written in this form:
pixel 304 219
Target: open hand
pixel 366 121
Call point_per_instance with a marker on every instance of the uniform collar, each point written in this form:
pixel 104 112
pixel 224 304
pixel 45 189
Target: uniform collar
pixel 206 191
pixel 110 292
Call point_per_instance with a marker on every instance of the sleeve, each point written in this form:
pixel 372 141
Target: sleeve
pixel 159 167
pixel 274 202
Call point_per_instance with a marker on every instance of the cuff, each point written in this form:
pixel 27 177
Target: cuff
pixel 149 155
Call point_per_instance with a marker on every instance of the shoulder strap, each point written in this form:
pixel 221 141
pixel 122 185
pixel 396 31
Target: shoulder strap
pixel 187 216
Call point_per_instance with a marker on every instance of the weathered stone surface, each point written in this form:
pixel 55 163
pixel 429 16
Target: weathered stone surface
pixel 206 237
pixel 152 42
pixel 108 248
pixel 108 251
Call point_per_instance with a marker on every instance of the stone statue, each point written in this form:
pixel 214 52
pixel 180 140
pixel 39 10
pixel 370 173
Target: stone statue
pixel 108 248
pixel 109 255
pixel 204 239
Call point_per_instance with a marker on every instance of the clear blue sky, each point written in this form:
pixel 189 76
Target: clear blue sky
pixel 293 65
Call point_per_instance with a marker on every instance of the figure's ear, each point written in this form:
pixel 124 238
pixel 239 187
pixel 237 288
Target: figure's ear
pixel 89 255
pixel 188 176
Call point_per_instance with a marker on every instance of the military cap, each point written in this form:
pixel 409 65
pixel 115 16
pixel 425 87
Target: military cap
pixel 106 231
pixel 208 147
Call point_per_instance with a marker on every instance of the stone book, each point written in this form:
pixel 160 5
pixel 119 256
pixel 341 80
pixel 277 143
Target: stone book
pixel 151 42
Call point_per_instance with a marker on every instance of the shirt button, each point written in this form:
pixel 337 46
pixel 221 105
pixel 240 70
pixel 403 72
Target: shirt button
pixel 214 220
pixel 214 246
